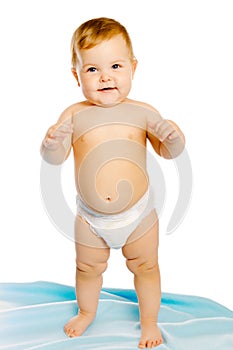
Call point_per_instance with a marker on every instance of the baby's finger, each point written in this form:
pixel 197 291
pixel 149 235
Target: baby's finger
pixel 174 135
pixel 59 134
pixel 50 143
pixel 159 126
pixel 164 130
pixel 161 130
pixel 67 122
pixel 151 125
pixel 66 127
pixel 61 131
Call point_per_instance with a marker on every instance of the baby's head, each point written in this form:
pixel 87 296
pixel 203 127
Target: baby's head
pixel 103 62
pixel 95 31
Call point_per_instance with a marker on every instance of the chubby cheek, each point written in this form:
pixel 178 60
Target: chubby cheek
pixel 127 78
pixel 126 84
pixel 88 86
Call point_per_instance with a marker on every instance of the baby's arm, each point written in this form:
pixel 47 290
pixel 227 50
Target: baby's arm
pixel 56 145
pixel 166 138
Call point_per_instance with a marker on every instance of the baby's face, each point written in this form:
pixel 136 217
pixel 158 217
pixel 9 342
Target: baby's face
pixel 105 72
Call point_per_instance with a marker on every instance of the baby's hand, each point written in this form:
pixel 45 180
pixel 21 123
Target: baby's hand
pixel 57 134
pixel 163 130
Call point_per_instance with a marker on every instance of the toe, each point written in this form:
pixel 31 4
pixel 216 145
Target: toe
pixel 69 331
pixel 72 335
pixel 76 334
pixel 66 328
pixel 159 342
pixel 142 344
pixel 150 344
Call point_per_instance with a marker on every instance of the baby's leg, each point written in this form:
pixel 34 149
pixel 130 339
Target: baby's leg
pixel 142 260
pixel 91 263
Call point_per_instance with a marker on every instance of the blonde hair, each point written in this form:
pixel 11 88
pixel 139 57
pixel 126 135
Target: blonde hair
pixel 93 32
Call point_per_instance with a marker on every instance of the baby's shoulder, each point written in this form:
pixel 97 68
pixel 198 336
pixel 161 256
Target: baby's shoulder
pixel 143 105
pixel 78 107
pixel 73 109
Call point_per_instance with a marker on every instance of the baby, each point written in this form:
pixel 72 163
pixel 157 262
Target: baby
pixel 115 206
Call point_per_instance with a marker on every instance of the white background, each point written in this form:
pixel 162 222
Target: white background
pixel 184 49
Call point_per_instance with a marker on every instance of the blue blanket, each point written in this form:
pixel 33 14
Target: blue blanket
pixel 32 317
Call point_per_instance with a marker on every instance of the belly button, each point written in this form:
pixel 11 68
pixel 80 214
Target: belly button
pixel 108 198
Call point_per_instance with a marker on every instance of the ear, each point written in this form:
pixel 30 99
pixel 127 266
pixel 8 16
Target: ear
pixel 134 66
pixel 74 72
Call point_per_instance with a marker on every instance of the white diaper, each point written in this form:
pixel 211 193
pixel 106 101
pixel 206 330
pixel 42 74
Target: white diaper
pixel 115 229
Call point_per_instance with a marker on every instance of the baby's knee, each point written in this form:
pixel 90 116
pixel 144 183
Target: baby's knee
pixel 138 267
pixel 90 269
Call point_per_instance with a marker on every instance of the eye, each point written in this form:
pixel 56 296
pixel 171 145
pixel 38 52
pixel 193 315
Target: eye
pixel 92 69
pixel 116 66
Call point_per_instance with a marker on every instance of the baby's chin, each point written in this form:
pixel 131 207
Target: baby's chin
pixel 107 104
pixel 106 101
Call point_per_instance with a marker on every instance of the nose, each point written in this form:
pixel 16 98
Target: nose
pixel 105 77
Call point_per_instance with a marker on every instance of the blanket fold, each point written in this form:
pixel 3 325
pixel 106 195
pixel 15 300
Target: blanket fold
pixel 32 316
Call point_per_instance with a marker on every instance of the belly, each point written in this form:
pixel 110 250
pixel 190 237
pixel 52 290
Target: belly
pixel 120 184
pixel 112 176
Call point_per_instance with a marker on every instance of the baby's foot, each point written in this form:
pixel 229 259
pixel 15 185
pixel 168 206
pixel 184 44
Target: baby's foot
pixel 151 335
pixel 77 325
